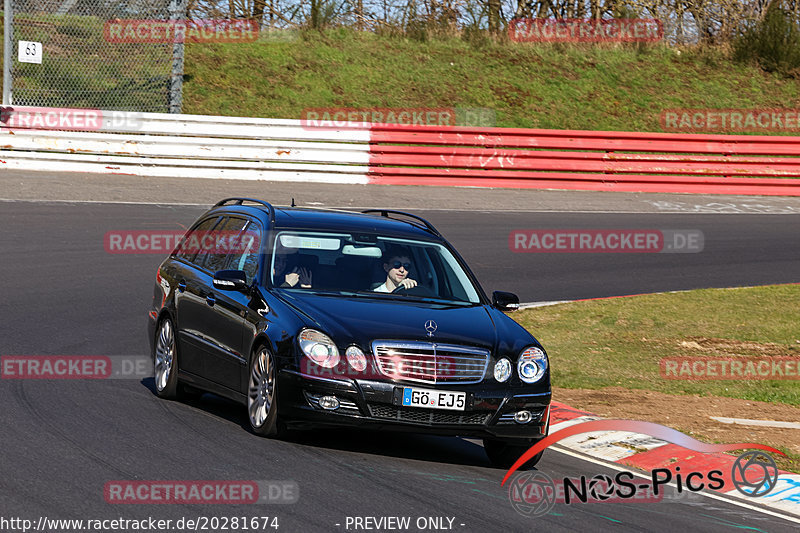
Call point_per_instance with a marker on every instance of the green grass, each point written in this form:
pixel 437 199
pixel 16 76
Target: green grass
pixel 609 87
pixel 619 342
pixel 529 85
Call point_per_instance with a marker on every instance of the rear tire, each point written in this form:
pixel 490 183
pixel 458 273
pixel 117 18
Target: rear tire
pixel 262 404
pixel 165 361
pixel 503 454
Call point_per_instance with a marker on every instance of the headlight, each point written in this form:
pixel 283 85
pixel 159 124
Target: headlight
pixel 356 358
pixel 532 364
pixel 502 370
pixel 319 348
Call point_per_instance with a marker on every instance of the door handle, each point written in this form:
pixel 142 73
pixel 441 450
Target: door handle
pixel 210 300
pixel 182 285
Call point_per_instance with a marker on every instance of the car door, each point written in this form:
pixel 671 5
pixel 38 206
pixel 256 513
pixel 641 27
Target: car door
pixel 219 314
pixel 189 304
pixel 248 259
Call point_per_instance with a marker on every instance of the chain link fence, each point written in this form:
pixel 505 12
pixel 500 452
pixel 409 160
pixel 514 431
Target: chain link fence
pixel 77 65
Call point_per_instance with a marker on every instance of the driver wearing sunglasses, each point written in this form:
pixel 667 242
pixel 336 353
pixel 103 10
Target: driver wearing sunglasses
pixel 396 266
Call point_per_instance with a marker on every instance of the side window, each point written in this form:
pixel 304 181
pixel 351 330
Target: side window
pixel 191 243
pixel 245 255
pixel 223 241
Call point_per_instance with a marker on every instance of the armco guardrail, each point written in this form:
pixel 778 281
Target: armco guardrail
pixel 291 150
pixel 586 160
pixel 192 146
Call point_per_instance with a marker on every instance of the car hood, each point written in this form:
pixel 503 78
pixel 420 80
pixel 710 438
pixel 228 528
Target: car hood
pixel 361 320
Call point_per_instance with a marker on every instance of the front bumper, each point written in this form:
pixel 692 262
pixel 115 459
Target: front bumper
pixel 374 405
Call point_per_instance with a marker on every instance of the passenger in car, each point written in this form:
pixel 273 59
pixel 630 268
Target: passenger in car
pixel 396 264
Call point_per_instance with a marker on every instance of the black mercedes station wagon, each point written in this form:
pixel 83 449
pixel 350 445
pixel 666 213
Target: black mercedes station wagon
pixel 316 318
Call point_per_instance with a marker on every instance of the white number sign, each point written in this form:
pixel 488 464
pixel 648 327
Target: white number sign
pixel 29 52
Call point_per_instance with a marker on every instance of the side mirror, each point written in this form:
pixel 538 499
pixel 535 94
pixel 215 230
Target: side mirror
pixel 505 301
pixel 231 280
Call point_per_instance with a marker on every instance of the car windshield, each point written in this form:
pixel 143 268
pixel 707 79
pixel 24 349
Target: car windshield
pixel 369 265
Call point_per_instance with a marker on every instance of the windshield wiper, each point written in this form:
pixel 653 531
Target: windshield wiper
pixel 440 300
pixel 389 295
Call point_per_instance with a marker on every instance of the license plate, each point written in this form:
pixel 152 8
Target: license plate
pixel 434 399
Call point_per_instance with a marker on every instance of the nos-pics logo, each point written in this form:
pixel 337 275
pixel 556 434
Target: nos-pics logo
pixel 534 493
pixel 754 474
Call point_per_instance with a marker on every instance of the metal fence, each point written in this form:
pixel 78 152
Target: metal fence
pixel 58 54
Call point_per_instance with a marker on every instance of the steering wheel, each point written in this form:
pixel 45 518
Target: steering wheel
pixel 419 290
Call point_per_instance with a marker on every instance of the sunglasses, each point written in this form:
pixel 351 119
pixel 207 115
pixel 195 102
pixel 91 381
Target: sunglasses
pixel 398 264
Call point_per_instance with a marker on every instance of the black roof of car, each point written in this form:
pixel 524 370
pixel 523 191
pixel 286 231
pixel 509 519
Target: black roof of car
pixel 383 221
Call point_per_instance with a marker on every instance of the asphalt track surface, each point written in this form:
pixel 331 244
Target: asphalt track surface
pixel 62 441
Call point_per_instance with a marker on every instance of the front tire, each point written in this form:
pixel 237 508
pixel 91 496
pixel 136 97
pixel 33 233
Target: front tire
pixel 165 362
pixel 503 454
pixel 262 404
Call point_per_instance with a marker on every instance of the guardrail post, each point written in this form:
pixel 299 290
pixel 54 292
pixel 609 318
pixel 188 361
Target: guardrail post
pixel 177 12
pixel 8 48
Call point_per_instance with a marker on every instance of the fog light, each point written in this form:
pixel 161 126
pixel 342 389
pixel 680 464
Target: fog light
pixel 329 402
pixel 522 417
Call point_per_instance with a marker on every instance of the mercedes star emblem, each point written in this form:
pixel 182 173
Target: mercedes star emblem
pixel 430 327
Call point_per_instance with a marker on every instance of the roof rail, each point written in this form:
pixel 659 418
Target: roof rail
pixel 387 212
pixel 241 201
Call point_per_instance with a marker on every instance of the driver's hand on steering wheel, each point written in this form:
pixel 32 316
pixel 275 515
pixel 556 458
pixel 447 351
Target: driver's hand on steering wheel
pixel 407 283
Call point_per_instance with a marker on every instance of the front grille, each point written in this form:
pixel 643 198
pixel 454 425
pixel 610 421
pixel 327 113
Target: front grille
pixel 425 416
pixel 428 362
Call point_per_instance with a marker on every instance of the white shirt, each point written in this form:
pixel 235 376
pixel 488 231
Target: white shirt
pixel 381 288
